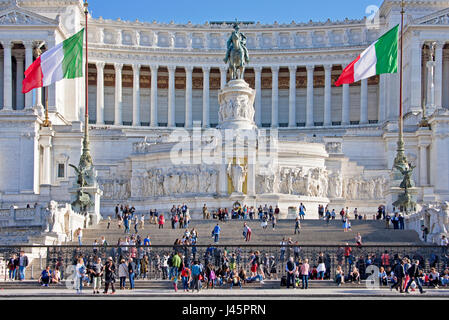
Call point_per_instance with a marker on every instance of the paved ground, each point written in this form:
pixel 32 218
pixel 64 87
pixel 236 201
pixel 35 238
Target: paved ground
pixel 234 294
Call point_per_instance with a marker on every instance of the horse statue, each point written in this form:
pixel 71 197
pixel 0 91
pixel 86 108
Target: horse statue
pixel 237 54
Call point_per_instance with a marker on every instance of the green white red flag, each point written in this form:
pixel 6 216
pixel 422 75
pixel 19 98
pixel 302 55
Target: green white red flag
pixel 64 61
pixel 380 57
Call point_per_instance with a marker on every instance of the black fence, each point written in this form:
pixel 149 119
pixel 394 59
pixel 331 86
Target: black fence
pixel 273 258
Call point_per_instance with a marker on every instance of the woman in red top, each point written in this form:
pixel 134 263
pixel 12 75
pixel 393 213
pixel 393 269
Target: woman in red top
pixel 185 274
pixel 161 221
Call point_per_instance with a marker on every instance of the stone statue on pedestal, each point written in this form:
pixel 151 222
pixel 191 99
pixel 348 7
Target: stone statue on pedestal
pixel 237 173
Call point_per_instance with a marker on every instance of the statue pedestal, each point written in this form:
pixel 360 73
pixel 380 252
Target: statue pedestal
pixel 93 212
pixel 236 101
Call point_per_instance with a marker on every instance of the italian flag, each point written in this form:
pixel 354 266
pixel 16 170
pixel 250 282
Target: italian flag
pixel 380 57
pixel 64 61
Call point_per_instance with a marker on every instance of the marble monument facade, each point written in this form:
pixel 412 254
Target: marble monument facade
pixel 335 145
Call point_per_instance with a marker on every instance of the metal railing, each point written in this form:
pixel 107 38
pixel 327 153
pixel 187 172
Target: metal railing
pixel 63 256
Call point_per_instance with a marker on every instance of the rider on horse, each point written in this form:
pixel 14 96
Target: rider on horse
pixel 229 45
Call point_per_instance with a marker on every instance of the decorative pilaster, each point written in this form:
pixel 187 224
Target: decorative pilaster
pixel 274 96
pixel 118 94
pixel 136 94
pixel 292 97
pixel 309 107
pixel 171 97
pixel 188 121
pixel 206 96
pixel 327 94
pixel 153 111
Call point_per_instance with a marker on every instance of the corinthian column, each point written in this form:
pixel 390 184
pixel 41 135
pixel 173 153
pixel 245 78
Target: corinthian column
pixel 100 92
pixel 136 94
pixel 292 98
pixel 206 104
pixel 439 74
pixel 118 94
pixel 153 111
pixel 28 61
pixel 258 102
pixel 7 76
pixel 274 96
pixel 189 71
pixel 223 73
pixel 309 108
pixel 364 102
pixel 327 94
pixel 20 97
pixel 171 96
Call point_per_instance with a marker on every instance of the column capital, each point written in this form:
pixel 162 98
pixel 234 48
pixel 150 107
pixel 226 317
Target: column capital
pixel 171 68
pixel 223 68
pixel 136 67
pixel 293 69
pixel 206 69
pixel 118 66
pixel 257 69
pixel 7 44
pixel 275 69
pixel 100 65
pixel 28 44
pixel 188 69
pixel 327 67
pixel 310 67
pixel 154 68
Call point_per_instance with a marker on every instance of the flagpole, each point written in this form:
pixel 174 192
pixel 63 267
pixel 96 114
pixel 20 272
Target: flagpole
pixel 86 159
pixel 400 159
pixel 46 123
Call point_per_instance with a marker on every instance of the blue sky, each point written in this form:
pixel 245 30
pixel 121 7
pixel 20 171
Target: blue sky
pixel 200 11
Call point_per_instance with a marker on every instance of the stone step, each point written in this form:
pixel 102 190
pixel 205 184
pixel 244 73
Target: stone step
pixel 166 284
pixel 312 232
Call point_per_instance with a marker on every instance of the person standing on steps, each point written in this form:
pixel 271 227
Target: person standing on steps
pixel 161 221
pixel 358 240
pixel 176 265
pixel 290 268
pixel 302 211
pixel 327 216
pixel 297 225
pixel 109 276
pixel 321 266
pixel 216 233
pixel 304 272
pixel 22 264
pixel 273 221
pixel 246 232
pixel 399 275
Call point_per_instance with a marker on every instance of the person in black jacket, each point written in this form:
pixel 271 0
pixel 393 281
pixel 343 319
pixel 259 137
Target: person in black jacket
pixel 413 273
pixel 290 267
pixel 399 273
pixel 109 275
